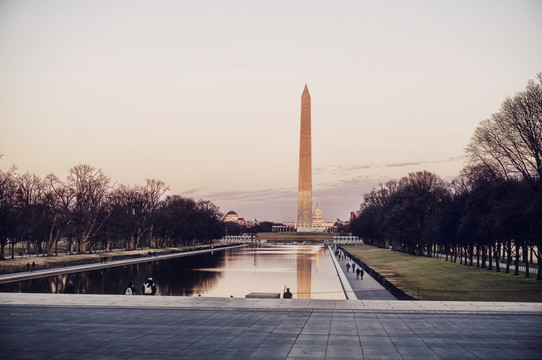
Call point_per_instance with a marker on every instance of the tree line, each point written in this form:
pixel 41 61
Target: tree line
pixel 233 228
pixel 491 212
pixel 87 211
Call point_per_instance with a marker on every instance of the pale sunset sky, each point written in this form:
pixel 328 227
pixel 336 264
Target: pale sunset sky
pixel 205 95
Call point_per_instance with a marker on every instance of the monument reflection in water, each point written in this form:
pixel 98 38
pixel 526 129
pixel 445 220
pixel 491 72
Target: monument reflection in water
pixel 307 270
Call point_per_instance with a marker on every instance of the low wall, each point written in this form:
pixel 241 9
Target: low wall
pixel 299 237
pixel 347 287
pixel 394 290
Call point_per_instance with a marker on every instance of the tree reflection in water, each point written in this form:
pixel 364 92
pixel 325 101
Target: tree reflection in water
pixel 307 270
pixel 177 276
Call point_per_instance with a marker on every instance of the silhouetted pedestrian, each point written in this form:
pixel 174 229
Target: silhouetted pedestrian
pixel 358 271
pixel 28 267
pixel 361 273
pixel 287 294
pixel 69 289
pixel 353 266
pixel 347 267
pixel 33 266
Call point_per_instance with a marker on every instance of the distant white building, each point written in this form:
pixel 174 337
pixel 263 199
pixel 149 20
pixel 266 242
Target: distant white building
pixel 232 216
pixel 318 224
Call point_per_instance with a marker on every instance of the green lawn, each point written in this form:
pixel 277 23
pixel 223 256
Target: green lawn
pixel 438 279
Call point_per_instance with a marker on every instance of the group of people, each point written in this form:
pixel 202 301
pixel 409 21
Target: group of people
pixel 340 254
pixel 355 269
pixel 147 288
pixel 31 267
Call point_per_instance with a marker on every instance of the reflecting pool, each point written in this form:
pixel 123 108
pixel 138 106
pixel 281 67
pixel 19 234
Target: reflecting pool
pixel 306 269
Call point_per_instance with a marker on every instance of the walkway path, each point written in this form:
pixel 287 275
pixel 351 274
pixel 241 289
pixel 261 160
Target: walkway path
pixel 366 288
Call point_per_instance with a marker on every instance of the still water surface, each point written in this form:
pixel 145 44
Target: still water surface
pixel 307 270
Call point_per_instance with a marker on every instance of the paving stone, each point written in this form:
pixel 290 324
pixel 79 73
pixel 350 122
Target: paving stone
pixel 453 353
pixel 344 351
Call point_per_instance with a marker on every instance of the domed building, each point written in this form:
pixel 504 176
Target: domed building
pixel 231 216
pixel 318 223
pixel 317 217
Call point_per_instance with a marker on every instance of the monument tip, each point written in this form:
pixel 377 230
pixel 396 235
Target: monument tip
pixel 306 90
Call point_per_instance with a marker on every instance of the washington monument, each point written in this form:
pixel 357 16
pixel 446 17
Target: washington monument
pixel 304 192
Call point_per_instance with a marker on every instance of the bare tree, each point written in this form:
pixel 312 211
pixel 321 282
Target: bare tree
pixel 130 210
pixel 59 200
pixel 154 190
pixel 8 194
pixel 123 215
pixel 32 227
pixel 509 144
pixel 89 188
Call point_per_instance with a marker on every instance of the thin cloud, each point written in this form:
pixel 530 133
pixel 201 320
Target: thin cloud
pixel 406 164
pixel 455 158
pixel 191 191
pixel 342 168
pixel 349 168
pixel 416 163
pixel 356 167
pixel 257 195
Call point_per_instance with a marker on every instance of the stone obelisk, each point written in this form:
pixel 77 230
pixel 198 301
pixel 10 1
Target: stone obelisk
pixel 304 191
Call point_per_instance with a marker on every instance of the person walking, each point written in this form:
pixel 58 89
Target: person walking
pixel 358 271
pixel 353 266
pixel 347 267
pixel 361 273
pixel 148 287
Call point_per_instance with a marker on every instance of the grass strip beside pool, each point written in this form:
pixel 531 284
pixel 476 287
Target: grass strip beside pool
pixel 18 264
pixel 438 279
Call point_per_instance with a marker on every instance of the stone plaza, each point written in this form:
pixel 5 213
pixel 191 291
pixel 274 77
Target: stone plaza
pixel 64 326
